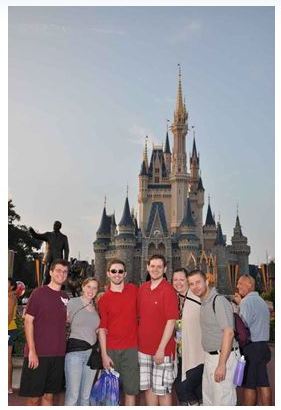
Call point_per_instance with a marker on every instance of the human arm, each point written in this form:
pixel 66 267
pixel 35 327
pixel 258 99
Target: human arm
pixel 11 306
pixel 226 346
pixel 167 334
pixel 33 361
pixel 106 360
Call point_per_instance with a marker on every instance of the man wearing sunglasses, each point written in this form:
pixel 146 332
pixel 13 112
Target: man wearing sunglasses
pixel 118 329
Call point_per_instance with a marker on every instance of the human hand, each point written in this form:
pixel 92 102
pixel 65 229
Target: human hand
pixel 107 362
pixel 159 356
pixel 33 361
pixel 220 373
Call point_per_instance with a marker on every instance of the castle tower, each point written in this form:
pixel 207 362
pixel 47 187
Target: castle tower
pixel 188 240
pixel 101 246
pixel 167 154
pixel 196 191
pixel 240 248
pixel 179 177
pixel 143 188
pixel 209 230
pixel 125 242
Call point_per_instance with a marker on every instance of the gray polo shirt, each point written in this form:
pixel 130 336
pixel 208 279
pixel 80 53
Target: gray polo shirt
pixel 213 324
pixel 84 323
pixel 255 313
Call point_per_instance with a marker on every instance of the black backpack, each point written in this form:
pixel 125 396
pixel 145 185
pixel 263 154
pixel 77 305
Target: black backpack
pixel 241 331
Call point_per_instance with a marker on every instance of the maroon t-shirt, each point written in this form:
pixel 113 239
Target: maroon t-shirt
pixel 118 312
pixel 48 307
pixel 155 308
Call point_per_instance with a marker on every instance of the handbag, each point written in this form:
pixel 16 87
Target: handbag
pixel 95 360
pixel 77 345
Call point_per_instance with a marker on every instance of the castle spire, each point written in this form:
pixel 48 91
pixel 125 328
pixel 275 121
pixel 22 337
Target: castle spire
pixel 180 114
pixel 209 219
pixel 126 219
pixel 167 145
pixel 188 219
pixel 145 156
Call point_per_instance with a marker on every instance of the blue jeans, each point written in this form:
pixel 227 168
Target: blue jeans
pixel 78 378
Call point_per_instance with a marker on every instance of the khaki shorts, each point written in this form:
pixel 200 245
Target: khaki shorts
pixel 126 363
pixel 158 377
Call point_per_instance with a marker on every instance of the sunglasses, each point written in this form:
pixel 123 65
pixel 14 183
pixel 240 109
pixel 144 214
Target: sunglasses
pixel 117 271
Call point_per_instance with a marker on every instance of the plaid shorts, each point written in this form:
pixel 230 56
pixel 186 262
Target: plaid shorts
pixel 159 377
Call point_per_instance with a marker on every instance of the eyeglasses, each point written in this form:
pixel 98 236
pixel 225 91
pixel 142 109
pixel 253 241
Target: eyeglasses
pixel 117 271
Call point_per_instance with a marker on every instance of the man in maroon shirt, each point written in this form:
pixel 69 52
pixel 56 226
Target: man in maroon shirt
pixel 45 331
pixel 118 329
pixel 158 312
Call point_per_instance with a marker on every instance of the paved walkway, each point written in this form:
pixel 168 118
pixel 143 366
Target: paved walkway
pixel 15 400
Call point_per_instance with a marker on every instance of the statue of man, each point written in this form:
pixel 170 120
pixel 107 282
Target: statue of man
pixel 56 248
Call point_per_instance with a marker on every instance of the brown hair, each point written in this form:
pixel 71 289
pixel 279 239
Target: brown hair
pixel 156 256
pixel 115 261
pixel 56 262
pixel 197 272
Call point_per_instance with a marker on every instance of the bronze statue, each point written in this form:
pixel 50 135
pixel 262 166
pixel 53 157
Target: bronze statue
pixel 56 248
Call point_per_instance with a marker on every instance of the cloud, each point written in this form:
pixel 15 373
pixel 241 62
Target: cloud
pixel 191 27
pixel 52 27
pixel 107 31
pixel 138 134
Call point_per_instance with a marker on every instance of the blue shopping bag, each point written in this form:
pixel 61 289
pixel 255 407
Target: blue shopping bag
pixel 105 391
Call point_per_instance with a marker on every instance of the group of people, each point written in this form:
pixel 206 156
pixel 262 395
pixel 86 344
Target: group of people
pixel 157 336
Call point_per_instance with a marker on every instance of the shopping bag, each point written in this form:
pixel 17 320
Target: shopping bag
pixel 105 391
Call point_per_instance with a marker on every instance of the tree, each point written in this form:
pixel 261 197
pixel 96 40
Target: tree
pixel 20 241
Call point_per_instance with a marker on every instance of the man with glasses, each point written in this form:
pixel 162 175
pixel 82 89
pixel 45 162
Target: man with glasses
pixel 158 312
pixel 118 329
pixel 45 331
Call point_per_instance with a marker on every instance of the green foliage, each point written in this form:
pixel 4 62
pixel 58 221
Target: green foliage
pixel 20 341
pixel 265 296
pixel 272 297
pixel 20 241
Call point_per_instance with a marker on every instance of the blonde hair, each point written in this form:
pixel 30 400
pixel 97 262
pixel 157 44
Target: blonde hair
pixel 90 279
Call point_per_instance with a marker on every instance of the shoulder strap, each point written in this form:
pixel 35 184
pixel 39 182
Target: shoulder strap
pixel 214 300
pixel 193 300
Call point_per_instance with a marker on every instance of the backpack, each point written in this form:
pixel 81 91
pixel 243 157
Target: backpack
pixel 241 331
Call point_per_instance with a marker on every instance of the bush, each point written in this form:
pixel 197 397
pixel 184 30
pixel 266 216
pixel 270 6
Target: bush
pixel 20 341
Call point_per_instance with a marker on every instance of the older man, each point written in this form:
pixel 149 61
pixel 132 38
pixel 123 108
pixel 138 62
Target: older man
pixel 255 313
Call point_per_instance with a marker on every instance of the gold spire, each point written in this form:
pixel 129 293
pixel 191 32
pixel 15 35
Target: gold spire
pixel 145 156
pixel 180 114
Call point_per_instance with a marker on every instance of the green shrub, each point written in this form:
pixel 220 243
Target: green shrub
pixel 20 341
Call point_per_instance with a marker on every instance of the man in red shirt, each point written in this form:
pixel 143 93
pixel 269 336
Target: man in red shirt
pixel 158 312
pixel 118 329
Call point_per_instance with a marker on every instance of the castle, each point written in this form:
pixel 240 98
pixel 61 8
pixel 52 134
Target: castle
pixel 171 202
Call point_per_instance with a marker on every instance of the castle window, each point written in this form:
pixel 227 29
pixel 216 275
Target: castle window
pixel 156 180
pixel 156 170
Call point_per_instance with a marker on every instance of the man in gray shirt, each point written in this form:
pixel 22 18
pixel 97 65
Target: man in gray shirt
pixel 221 349
pixel 255 314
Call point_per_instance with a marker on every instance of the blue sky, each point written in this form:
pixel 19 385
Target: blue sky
pixel 86 84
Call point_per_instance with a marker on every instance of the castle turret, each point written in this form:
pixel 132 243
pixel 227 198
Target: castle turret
pixel 240 248
pixel 179 177
pixel 188 240
pixel 167 154
pixel 143 187
pixel 125 242
pixel 209 230
pixel 101 246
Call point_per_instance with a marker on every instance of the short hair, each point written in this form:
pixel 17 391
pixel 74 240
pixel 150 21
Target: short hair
pixel 251 279
pixel 56 262
pixel 157 256
pixel 13 283
pixel 113 262
pixel 183 270
pixel 197 272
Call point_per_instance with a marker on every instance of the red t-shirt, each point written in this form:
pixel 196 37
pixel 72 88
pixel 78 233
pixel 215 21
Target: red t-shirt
pixel 118 311
pixel 155 308
pixel 48 307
